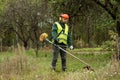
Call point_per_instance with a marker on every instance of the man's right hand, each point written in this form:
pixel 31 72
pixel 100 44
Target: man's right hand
pixel 56 40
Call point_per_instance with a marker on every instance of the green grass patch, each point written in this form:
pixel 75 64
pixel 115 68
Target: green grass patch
pixel 89 49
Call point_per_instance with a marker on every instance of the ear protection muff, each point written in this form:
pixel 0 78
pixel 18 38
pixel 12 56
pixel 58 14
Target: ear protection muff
pixel 60 18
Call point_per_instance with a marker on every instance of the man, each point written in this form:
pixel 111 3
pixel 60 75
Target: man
pixel 62 37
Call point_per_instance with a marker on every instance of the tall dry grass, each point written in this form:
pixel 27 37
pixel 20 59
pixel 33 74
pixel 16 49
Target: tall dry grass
pixel 17 66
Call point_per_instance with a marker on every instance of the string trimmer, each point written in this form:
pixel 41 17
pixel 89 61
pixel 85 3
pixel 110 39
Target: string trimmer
pixel 43 37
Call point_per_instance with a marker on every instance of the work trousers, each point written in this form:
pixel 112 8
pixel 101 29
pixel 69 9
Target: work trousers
pixel 56 52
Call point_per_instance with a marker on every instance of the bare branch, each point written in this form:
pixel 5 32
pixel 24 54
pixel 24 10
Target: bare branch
pixel 106 8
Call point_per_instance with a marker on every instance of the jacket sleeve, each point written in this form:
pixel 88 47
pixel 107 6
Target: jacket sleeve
pixel 69 40
pixel 54 31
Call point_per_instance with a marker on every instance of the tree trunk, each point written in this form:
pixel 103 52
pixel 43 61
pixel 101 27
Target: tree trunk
pixel 118 40
pixel 118 28
pixel 25 44
pixel 36 49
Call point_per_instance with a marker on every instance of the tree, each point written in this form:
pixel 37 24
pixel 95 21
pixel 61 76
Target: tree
pixel 113 9
pixel 23 18
pixel 83 21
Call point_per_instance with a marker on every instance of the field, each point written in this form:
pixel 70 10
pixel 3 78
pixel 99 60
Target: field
pixel 24 65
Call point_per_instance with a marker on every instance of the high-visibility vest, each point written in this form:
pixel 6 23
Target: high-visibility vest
pixel 63 35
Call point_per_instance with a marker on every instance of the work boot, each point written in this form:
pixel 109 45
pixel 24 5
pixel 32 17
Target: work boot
pixel 52 68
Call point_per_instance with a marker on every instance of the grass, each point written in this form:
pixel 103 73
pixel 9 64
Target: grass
pixel 89 49
pixel 23 65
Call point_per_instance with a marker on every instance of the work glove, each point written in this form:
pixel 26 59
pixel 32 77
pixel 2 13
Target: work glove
pixel 71 47
pixel 56 40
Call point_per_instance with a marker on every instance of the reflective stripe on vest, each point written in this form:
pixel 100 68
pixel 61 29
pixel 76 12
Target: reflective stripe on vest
pixel 63 36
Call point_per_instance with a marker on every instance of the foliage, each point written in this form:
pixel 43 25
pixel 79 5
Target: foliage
pixel 26 20
pixel 90 20
pixel 108 45
pixel 111 44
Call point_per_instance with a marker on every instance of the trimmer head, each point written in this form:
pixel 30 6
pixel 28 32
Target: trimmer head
pixel 88 68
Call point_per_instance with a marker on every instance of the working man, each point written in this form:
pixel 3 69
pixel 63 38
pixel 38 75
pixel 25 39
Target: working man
pixel 61 36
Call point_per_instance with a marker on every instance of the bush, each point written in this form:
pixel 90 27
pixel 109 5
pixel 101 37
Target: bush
pixel 108 45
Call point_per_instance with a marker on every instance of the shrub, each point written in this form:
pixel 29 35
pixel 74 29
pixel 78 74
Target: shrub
pixel 108 45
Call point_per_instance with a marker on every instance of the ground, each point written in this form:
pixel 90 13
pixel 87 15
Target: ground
pixel 24 65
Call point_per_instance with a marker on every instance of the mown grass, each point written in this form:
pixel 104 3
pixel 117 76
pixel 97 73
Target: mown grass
pixel 89 49
pixel 24 65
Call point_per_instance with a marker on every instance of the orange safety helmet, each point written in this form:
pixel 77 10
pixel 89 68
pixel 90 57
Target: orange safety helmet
pixel 66 16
